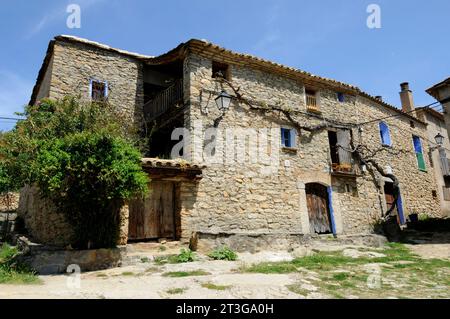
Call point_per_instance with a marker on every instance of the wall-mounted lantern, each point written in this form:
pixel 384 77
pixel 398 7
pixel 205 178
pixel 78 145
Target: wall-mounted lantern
pixel 223 101
pixel 439 139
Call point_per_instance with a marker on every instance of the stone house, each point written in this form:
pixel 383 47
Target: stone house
pixel 439 154
pixel 280 165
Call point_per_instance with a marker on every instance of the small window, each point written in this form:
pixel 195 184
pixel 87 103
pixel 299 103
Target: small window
pixel 385 134
pixel 411 124
pixel 419 153
pixel 220 70
pixel 287 137
pixel 311 100
pixel 341 97
pixel 98 90
pixel 434 193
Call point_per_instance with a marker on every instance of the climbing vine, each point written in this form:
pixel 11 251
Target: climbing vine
pixel 361 153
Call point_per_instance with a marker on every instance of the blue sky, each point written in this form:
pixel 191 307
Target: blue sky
pixel 326 37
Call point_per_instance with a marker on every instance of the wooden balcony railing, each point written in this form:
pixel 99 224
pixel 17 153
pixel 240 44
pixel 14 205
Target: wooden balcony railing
pixel 346 163
pixel 311 103
pixel 163 101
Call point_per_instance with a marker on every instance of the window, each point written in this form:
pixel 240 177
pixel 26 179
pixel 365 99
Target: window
pixel 385 134
pixel 98 90
pixel 220 70
pixel 341 97
pixel 311 100
pixel 287 137
pixel 419 153
pixel 341 157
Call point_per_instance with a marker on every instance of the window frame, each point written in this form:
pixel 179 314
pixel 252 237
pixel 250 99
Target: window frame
pixel 419 155
pixel 292 137
pixel 105 83
pixel 382 136
pixel 340 97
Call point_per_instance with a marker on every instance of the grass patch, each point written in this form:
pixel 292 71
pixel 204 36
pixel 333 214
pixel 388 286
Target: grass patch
pixel 169 259
pixel 297 289
pixel 176 291
pixel 270 268
pixel 128 273
pixel 145 260
pixel 185 255
pixel 12 272
pixel 210 285
pixel 102 275
pixel 177 274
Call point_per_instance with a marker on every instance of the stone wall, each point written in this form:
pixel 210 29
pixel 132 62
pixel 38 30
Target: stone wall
pixel 75 64
pixel 246 198
pixel 43 222
pixel 45 225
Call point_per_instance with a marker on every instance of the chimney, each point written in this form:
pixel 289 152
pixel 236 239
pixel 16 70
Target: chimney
pixel 406 97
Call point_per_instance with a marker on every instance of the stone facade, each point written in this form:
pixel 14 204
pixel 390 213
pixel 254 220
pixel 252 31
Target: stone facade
pixel 436 125
pixel 72 65
pixel 241 199
pixel 250 198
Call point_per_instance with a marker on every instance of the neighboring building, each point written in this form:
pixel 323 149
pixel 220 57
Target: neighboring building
pixel 307 183
pixel 439 156
pixel 441 92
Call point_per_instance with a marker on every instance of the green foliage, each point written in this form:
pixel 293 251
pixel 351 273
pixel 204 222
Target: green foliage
pixel 83 157
pixel 12 272
pixel 185 256
pixel 223 253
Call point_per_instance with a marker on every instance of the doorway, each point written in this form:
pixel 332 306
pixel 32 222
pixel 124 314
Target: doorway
pixel 318 208
pixel 156 216
pixel 389 198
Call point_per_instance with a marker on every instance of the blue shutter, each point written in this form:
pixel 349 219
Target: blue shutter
pixel 417 144
pixel 330 208
pixel 340 96
pixel 385 134
pixel 287 137
pixel 401 216
pixel 292 137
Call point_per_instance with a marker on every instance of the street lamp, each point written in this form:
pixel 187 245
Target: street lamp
pixel 439 139
pixel 223 101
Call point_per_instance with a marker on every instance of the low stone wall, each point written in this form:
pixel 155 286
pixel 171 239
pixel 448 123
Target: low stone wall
pixel 46 225
pixel 253 243
pixel 42 220
pixel 13 202
pixel 50 260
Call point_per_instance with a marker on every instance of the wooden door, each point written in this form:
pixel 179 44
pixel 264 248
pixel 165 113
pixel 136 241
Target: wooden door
pixel 318 210
pixel 154 217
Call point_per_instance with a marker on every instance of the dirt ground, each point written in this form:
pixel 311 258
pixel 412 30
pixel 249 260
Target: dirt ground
pixel 142 277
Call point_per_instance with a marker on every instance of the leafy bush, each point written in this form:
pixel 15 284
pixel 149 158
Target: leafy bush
pixel 84 157
pixel 223 253
pixel 186 255
pixel 12 272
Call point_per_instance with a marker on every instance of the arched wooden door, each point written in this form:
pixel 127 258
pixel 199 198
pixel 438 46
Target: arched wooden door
pixel 318 208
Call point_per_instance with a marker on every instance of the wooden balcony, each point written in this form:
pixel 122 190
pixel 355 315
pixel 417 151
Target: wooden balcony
pixel 164 101
pixel 311 103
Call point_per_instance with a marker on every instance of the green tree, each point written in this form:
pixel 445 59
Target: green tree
pixel 82 156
